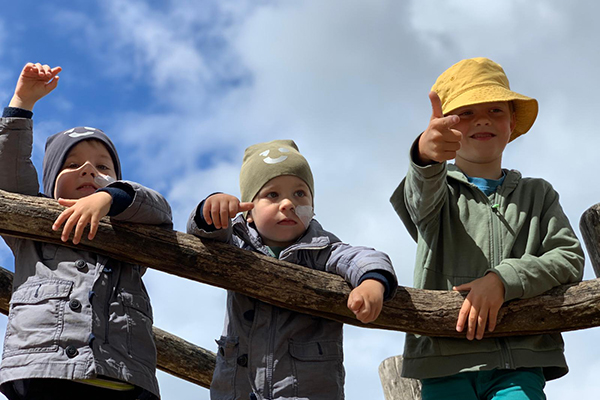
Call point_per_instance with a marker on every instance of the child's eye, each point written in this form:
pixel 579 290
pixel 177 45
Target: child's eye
pixel 465 114
pixel 102 167
pixel 496 110
pixel 72 165
pixel 272 195
pixel 300 193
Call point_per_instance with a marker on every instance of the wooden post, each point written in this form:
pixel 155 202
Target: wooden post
pixel 175 356
pixel 394 386
pixel 590 230
pixel 425 312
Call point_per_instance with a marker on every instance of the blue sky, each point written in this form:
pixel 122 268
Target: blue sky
pixel 184 86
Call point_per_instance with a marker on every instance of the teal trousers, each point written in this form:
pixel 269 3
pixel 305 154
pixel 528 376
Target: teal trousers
pixel 498 384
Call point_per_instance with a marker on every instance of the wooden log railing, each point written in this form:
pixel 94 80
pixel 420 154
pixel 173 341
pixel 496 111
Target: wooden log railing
pixel 291 286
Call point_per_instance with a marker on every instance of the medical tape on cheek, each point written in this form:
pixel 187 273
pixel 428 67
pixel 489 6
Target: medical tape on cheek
pixel 305 214
pixel 103 180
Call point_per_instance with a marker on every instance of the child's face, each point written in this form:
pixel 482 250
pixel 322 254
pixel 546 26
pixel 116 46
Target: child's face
pixel 273 213
pixel 486 130
pixel 84 162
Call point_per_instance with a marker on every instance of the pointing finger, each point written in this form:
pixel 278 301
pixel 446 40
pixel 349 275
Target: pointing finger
pixel 436 105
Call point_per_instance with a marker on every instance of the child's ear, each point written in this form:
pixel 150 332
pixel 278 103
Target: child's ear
pixel 249 217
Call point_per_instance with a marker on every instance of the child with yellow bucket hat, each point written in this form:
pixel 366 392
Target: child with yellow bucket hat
pixel 485 231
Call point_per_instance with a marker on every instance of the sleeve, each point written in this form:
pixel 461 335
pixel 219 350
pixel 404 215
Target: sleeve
pixel 17 173
pixel 198 226
pixel 558 261
pixel 353 263
pixel 121 199
pixel 421 194
pixel 148 206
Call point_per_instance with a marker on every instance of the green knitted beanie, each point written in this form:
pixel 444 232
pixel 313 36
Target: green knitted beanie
pixel 265 161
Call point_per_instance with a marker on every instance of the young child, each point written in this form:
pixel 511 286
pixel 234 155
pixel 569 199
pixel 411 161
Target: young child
pixel 267 352
pixel 486 231
pixel 80 323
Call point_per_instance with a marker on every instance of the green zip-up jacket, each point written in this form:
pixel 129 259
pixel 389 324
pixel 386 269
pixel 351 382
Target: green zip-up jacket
pixel 520 232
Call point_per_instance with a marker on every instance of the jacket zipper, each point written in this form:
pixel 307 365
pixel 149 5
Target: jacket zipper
pixel 269 372
pixel 496 232
pixel 108 272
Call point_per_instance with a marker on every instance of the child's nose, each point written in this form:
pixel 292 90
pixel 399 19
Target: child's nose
pixel 286 204
pixel 482 119
pixel 88 168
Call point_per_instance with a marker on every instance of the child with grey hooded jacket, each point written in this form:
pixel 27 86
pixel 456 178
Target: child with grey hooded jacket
pixel 80 323
pixel 267 352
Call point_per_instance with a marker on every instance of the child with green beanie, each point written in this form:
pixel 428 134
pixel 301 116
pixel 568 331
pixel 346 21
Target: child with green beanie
pixel 483 230
pixel 267 352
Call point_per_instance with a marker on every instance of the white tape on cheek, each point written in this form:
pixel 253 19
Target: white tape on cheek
pixel 103 180
pixel 305 213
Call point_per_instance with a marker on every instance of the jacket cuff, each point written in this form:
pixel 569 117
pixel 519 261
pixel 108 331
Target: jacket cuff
pixel 513 289
pixel 381 276
pixel 14 112
pixel 122 197
pixel 426 171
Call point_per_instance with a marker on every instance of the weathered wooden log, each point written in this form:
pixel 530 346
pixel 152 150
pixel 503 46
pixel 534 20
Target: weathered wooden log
pixel 175 356
pixel 301 289
pixel 589 225
pixel 394 386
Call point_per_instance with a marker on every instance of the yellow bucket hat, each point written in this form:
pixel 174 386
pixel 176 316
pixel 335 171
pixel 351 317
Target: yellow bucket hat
pixel 480 80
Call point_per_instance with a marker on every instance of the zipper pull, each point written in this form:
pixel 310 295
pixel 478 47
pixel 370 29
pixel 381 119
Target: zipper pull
pixel 495 207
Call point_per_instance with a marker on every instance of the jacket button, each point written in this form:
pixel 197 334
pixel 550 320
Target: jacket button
pixel 80 264
pixel 75 304
pixel 71 351
pixel 243 360
pixel 249 315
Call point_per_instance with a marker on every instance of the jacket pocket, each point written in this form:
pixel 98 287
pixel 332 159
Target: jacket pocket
pixel 222 386
pixel 36 317
pixel 318 369
pixel 140 340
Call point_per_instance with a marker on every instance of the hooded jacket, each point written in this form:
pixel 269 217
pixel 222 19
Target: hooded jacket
pixel 520 233
pixel 267 352
pixel 75 314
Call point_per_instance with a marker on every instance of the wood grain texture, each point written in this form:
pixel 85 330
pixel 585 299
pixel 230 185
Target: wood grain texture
pixel 427 312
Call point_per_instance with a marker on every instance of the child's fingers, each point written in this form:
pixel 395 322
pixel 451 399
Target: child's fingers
pixel 463 313
pixel 81 224
pixel 493 318
pixel 62 218
pixel 224 214
pixel 69 225
pixel 481 322
pixel 243 207
pixel 355 302
pixel 67 202
pixel 472 322
pixel 94 222
pixel 206 211
pixel 436 105
pixel 50 86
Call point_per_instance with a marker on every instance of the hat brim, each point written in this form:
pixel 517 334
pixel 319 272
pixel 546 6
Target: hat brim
pixel 526 108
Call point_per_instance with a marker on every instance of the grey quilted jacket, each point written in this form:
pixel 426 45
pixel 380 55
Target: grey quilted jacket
pixel 267 352
pixel 75 314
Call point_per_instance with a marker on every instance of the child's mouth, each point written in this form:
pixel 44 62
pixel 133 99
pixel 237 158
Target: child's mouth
pixel 87 187
pixel 483 136
pixel 287 222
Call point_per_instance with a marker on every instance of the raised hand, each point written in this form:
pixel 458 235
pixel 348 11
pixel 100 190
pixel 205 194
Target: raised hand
pixel 366 300
pixel 220 208
pixel 439 142
pixel 82 212
pixel 35 81
pixel 480 308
